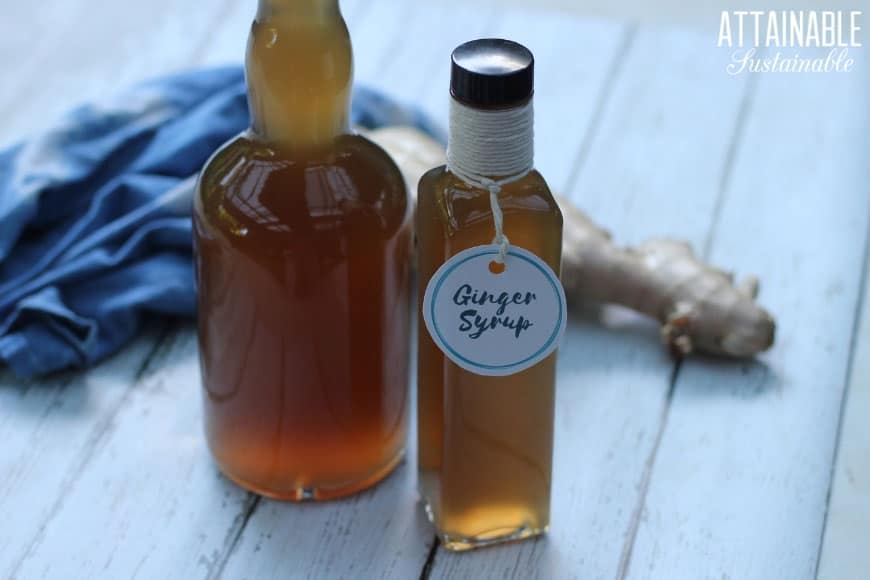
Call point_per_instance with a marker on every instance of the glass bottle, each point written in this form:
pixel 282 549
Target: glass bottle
pixel 303 238
pixel 485 443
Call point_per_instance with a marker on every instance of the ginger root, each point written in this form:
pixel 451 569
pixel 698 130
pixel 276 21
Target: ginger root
pixel 700 307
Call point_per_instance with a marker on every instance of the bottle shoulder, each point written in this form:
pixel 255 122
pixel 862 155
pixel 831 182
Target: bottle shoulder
pixel 532 193
pixel 354 157
pixel 248 184
pixel 452 216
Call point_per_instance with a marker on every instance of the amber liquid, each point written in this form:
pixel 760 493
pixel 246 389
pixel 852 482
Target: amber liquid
pixel 303 259
pixel 485 443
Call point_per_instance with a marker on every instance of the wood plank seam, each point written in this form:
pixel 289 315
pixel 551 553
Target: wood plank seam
pixel 97 436
pixel 616 68
pixel 861 311
pixel 170 329
pixel 24 386
pixel 738 133
pixel 52 405
pixel 646 478
pixel 730 159
pixel 429 564
pixel 234 535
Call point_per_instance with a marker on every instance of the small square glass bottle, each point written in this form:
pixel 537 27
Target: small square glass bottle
pixel 486 442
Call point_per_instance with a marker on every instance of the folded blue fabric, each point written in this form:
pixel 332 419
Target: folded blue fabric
pixel 95 230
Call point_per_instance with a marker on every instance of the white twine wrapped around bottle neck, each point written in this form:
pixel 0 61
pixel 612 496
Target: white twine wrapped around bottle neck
pixel 491 148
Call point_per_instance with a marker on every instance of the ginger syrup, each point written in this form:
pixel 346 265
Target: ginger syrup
pixel 485 442
pixel 303 241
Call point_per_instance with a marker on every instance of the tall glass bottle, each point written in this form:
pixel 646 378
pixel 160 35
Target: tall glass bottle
pixel 303 254
pixel 485 443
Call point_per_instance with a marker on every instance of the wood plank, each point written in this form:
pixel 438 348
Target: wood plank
pixel 377 37
pixel 150 503
pixel 741 477
pixel 649 160
pixel 594 400
pixel 107 46
pixel 104 47
pixel 413 66
pixel 844 553
pixel 51 431
pixel 22 56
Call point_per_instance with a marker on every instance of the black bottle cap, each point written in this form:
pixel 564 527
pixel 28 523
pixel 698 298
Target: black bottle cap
pixel 492 72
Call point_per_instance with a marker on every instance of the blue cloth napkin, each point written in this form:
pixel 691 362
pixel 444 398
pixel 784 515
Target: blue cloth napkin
pixel 95 231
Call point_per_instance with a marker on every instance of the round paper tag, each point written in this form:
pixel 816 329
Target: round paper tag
pixel 495 324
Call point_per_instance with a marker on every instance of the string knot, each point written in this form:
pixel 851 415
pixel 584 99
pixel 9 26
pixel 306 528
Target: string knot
pixel 500 239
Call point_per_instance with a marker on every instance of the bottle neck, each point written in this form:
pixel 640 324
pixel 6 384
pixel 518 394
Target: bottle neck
pixel 491 146
pixel 299 72
pixel 295 8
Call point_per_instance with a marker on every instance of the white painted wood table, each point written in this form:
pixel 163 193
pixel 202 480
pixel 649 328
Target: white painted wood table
pixel 703 469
